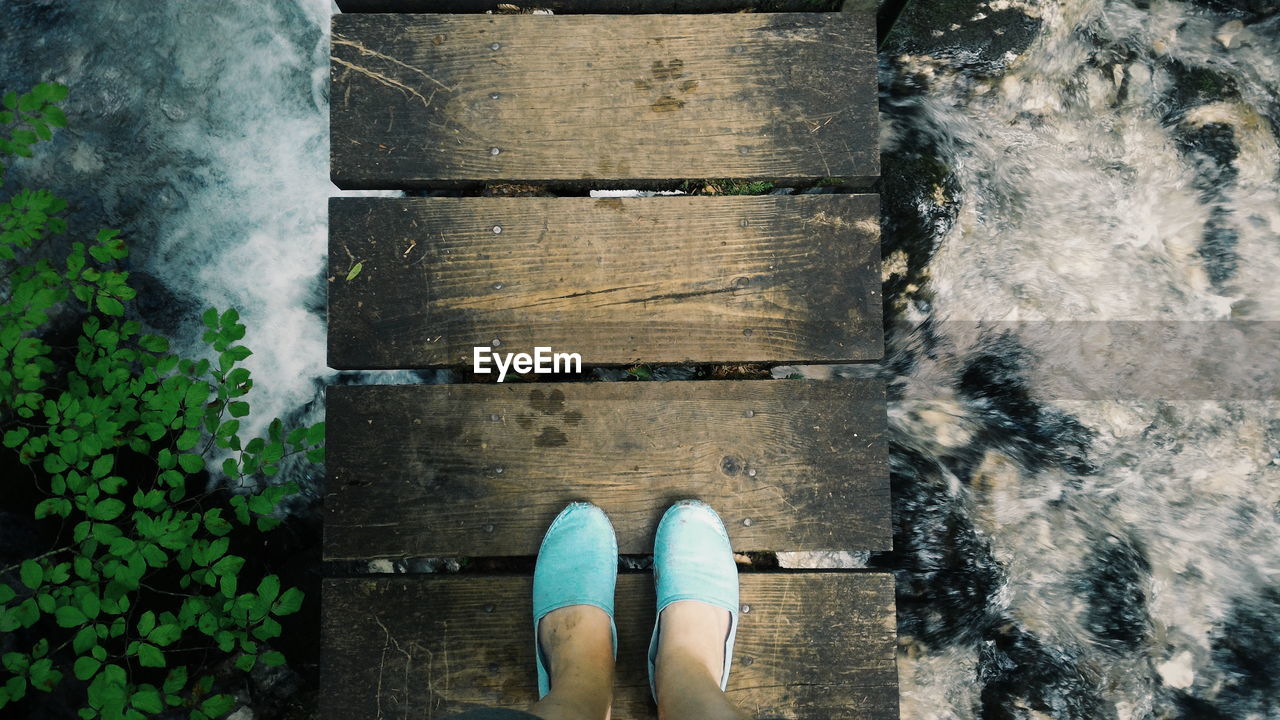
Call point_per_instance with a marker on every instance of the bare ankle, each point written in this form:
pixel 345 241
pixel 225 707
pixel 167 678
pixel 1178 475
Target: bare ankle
pixel 576 636
pixel 692 634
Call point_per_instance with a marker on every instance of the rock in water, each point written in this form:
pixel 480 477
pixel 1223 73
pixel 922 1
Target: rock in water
pixel 970 34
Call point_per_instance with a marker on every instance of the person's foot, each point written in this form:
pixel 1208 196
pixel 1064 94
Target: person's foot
pixel 573 587
pixel 697 587
pixel 693 634
pixel 575 639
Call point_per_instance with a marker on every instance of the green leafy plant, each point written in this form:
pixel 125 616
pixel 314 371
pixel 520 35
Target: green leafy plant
pixel 640 372
pixel 142 580
pixel 726 187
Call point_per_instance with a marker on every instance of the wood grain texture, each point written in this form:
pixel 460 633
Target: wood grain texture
pixel 423 100
pixel 813 646
pixel 481 469
pixel 589 6
pixel 618 280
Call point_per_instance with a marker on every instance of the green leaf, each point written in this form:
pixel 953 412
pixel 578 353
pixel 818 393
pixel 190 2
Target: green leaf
pixel 31 574
pixel 103 465
pixel 147 623
pixel 150 656
pixel 105 533
pixel 267 630
pixel 112 484
pixel 246 661
pixel 354 271
pixel 226 641
pixel 165 634
pixel 84 568
pixel 54 116
pixel 229 318
pixel 85 640
pixel 227 585
pixel 269 588
pixel 6 594
pixel 122 546
pixel 237 409
pixel 217 705
pixel 154 556
pixel 215 524
pixel 315 434
pixel 54 464
pixel 197 395
pixel 86 667
pixel 43 676
pixel 59 573
pixel 229 565
pixel 46 507
pixel 188 439
pixel 14 438
pixel 153 343
pixel 68 616
pixel 108 509
pixel 91 604
pixel 147 700
pixel 191 463
pixel 110 305
pixel 16 687
pixel 16 663
pixel 290 602
pixel 176 680
pixel 273 658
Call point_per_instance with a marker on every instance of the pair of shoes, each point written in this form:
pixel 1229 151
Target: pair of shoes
pixel 578 565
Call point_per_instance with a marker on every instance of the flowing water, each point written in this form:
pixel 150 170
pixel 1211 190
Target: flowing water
pixel 1078 536
pixel 1082 252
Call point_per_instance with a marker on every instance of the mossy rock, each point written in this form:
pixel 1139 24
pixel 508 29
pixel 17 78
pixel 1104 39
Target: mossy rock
pixel 1196 85
pixel 918 206
pixel 1244 9
pixel 966 33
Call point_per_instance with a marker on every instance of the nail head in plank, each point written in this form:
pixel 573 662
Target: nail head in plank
pixel 786 279
pixel 813 646
pixel 601 97
pixel 427 470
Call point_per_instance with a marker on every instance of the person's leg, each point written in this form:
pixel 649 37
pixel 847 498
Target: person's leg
pixel 578 644
pixel 690 662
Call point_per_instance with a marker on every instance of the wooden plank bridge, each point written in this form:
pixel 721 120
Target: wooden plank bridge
pixel 461 99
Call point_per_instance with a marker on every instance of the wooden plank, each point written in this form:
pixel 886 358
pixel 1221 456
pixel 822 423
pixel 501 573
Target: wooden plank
pixel 792 279
pixel 481 469
pixel 427 100
pixel 589 6
pixel 813 646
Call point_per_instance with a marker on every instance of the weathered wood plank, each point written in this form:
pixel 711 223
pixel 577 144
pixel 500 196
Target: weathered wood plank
pixel 422 100
pixel 618 280
pixel 589 6
pixel 813 646
pixel 481 469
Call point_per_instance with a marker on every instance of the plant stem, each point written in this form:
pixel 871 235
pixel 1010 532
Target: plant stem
pixel 54 551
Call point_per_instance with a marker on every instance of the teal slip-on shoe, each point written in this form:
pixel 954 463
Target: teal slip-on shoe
pixel 692 560
pixel 577 565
